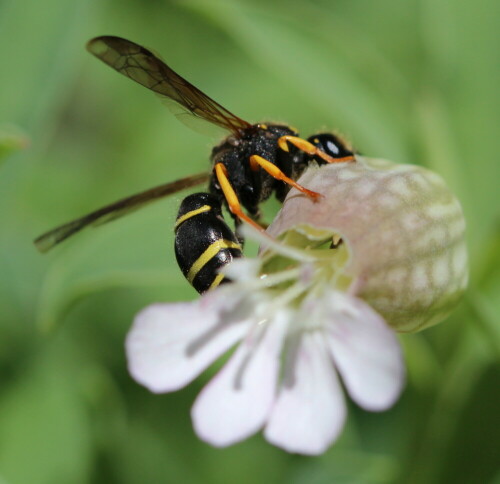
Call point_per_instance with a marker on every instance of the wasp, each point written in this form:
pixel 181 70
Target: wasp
pixel 248 166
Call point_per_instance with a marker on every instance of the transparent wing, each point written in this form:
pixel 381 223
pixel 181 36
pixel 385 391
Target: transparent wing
pixel 115 210
pixel 144 67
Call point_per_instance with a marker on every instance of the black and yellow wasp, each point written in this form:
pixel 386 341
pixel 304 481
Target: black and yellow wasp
pixel 251 163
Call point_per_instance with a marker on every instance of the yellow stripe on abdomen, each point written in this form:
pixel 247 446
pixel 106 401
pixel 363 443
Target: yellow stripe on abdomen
pixel 210 252
pixel 216 281
pixel 192 213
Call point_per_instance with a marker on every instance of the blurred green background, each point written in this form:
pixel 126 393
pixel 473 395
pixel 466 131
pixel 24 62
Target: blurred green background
pixel 412 81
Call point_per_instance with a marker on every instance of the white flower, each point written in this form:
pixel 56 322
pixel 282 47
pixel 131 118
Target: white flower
pixel 405 231
pixel 303 311
pixel 282 375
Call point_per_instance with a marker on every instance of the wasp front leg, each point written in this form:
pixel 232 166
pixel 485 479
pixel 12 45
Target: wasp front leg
pixel 321 147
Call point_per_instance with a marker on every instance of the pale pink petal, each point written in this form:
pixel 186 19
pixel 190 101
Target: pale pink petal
pixel 236 402
pixel 170 344
pixel 310 410
pixel 242 269
pixel 365 350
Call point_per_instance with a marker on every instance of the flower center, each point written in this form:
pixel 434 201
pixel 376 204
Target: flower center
pixel 326 256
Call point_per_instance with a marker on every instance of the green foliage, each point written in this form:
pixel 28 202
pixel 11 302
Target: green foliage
pixel 11 140
pixel 415 82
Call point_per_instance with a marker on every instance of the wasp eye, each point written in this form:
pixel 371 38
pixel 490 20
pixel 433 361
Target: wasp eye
pixel 330 144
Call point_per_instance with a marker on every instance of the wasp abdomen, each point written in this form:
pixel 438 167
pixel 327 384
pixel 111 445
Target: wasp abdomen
pixel 204 243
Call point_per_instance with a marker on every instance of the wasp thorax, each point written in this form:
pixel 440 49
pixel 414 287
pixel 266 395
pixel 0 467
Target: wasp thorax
pixel 390 234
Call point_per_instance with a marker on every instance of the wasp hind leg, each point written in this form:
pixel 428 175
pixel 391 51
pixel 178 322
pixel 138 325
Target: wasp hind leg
pixel 232 199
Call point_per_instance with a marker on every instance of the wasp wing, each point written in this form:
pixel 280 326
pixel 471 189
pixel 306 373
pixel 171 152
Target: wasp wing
pixel 115 210
pixel 144 67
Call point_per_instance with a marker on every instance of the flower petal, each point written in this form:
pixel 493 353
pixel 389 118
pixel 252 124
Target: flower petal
pixel 365 350
pixel 242 269
pixel 170 344
pixel 310 410
pixel 236 402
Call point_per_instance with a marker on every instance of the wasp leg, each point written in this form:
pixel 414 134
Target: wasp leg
pixel 336 242
pixel 237 232
pixel 275 172
pixel 231 198
pixel 310 149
